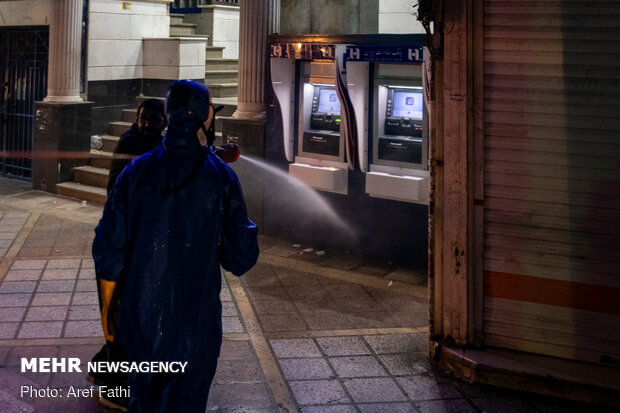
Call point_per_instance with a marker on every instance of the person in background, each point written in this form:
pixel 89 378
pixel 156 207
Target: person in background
pixel 175 216
pixel 144 136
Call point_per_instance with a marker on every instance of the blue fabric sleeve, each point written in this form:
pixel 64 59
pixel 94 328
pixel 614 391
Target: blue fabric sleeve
pixel 238 247
pixel 110 243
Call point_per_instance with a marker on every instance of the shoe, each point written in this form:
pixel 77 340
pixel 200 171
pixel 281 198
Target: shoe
pixel 118 403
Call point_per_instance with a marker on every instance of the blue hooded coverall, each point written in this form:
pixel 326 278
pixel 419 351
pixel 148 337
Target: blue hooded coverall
pixel 175 214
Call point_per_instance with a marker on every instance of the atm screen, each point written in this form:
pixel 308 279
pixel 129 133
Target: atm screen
pixel 328 101
pixel 407 105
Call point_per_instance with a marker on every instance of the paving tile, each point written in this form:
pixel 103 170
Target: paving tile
pixel 14 300
pixel 235 350
pixel 299 292
pixel 6 243
pixel 374 319
pixel 87 274
pixel 296 347
pixel 19 352
pixel 446 406
pixel 387 408
pixel 343 408
pixel 63 264
pixel 88 263
pixel 406 364
pixel 8 235
pixel 295 279
pixel 312 305
pixel 8 330
pixel 17 214
pixel 34 252
pixel 248 370
pixel 282 306
pixel 17 287
pixel 85 298
pixel 318 392
pixel 267 293
pixel 39 243
pixel 232 325
pixel 281 322
pixel 229 309
pixel 427 388
pixel 369 390
pixel 343 346
pixel 55 286
pixel 327 320
pixel 392 343
pixel 43 299
pixel 357 366
pixel 84 312
pixel 91 328
pixel 260 280
pixel 4 353
pixel 225 294
pixel 8 314
pixel 3 251
pixel 238 395
pixel 260 268
pixel 48 313
pixel 86 285
pixel 348 290
pixel 23 275
pixel 306 369
pixel 60 274
pixel 40 329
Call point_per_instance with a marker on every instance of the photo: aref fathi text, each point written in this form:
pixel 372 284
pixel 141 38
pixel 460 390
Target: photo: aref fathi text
pixel 73 391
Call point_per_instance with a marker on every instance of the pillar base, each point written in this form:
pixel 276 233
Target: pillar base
pixel 250 116
pixel 250 136
pixel 59 128
pixel 63 99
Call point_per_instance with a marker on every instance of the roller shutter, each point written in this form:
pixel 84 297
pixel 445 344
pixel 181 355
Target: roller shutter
pixel 552 178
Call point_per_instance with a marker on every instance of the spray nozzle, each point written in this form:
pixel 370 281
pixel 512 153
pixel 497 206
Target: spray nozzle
pixel 229 152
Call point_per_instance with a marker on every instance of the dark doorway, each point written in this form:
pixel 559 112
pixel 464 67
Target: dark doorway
pixel 23 75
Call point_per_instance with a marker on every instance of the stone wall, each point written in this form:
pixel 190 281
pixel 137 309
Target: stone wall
pixel 329 16
pixel 396 16
pixel 115 36
pixel 25 13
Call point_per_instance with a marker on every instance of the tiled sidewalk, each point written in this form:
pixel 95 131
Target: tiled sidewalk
pixel 306 332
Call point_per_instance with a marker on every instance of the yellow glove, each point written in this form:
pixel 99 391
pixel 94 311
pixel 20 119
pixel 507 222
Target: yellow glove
pixel 108 307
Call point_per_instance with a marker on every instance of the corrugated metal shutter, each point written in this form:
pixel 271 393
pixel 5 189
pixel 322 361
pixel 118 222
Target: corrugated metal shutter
pixel 552 178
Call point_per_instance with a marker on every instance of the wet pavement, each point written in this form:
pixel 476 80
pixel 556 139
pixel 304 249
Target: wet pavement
pixel 304 331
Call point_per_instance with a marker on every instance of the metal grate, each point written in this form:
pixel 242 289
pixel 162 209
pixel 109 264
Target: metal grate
pixel 23 73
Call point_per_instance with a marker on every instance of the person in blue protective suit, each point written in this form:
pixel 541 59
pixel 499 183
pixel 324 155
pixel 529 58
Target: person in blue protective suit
pixel 174 216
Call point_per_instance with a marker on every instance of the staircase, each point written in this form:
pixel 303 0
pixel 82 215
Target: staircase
pixel 90 181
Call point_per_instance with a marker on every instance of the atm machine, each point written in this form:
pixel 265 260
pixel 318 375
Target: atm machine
pixel 393 145
pixel 313 132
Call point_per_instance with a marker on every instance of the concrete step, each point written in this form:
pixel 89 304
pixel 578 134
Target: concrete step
pixel 214 52
pixel 90 175
pixel 100 159
pixel 129 115
pixel 221 76
pixel 118 128
pixel 86 193
pixel 109 143
pixel 221 64
pixel 222 90
pixel 182 29
pixel 176 18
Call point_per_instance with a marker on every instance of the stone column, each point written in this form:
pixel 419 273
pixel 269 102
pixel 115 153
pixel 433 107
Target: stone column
pixel 64 55
pixel 257 19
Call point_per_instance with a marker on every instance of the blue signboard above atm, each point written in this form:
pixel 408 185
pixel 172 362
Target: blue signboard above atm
pixel 372 53
pixel 393 48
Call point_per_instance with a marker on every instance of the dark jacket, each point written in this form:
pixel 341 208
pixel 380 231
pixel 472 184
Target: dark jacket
pixel 175 215
pixel 131 142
